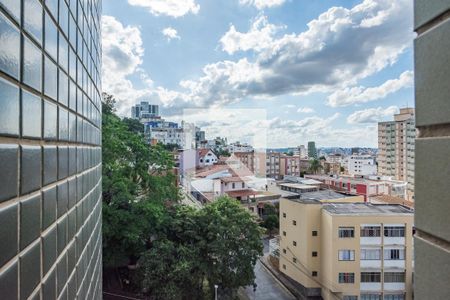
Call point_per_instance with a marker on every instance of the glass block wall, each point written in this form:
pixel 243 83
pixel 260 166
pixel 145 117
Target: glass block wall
pixel 50 149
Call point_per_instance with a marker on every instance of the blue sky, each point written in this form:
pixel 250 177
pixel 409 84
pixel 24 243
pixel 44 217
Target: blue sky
pixel 322 70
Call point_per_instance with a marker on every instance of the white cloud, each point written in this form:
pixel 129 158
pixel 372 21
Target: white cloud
pixel 170 33
pixel 122 55
pixel 259 37
pixel 371 115
pixel 339 48
pixel 360 94
pixel 305 110
pixel 172 8
pixel 261 4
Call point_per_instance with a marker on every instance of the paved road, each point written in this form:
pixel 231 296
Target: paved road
pixel 268 287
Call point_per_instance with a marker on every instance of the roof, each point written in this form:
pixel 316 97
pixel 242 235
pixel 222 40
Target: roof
pixel 241 193
pixel 386 199
pixel 211 170
pixel 203 152
pixel 232 179
pixel 298 186
pixel 317 196
pixel 366 209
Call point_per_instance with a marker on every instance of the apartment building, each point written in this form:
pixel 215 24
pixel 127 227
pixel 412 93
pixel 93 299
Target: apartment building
pixel 396 144
pixel 290 165
pixel 337 250
pixel 144 110
pixel 272 165
pixel 361 165
pixel 239 147
pixel 247 158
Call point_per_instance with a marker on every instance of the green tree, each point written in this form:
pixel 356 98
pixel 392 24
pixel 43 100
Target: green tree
pixel 271 223
pixel 314 166
pixel 231 244
pixel 134 125
pixel 136 183
pixel 218 244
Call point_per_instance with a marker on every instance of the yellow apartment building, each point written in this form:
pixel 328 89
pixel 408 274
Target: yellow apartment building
pixel 336 249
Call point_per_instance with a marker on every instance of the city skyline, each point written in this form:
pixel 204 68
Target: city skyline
pixel 235 53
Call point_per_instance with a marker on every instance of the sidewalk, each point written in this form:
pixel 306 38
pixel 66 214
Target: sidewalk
pixel 283 279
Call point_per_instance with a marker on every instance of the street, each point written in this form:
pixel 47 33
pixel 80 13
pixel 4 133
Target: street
pixel 268 288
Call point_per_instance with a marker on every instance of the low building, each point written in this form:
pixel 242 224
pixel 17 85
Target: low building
pixel 347 250
pixel 206 158
pixel 366 186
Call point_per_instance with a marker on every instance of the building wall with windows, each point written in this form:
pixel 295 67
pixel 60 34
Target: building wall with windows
pixel 345 250
pixel 50 149
pixel 432 188
pixel 396 144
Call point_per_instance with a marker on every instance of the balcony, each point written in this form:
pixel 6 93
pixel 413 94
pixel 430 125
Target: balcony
pixel 394 263
pixel 370 286
pixel 394 286
pixel 394 240
pixel 370 240
pixel 370 263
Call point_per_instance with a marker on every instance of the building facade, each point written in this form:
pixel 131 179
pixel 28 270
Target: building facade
pixel 347 250
pixel 396 147
pixel 50 150
pixel 362 165
pixel 432 94
pixel 144 110
pixel 312 150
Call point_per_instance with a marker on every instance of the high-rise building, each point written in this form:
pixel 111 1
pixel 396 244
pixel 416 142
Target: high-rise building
pixel 432 94
pixel 396 140
pixel 50 150
pixel 312 151
pixel 338 250
pixel 144 110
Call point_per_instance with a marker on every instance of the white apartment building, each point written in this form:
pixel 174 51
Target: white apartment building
pixel 239 147
pixel 396 146
pixel 361 165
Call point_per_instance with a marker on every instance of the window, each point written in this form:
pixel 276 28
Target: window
pixel 346 232
pixel 370 231
pixel 294 222
pixel 314 233
pixel 314 253
pixel 10 50
pixel 394 277
pixel 294 260
pixel 233 185
pixel 370 254
pixel 243 185
pixel 346 277
pixel 32 65
pixel 394 254
pixel 394 297
pixel 314 273
pixel 284 267
pixel 284 233
pixel 370 297
pixel 294 243
pixel 284 251
pixel 394 231
pixel 370 277
pixel 346 254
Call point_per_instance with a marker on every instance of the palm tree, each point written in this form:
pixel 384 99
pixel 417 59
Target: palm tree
pixel 314 165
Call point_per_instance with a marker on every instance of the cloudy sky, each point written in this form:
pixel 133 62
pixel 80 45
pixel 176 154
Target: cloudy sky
pixel 323 70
